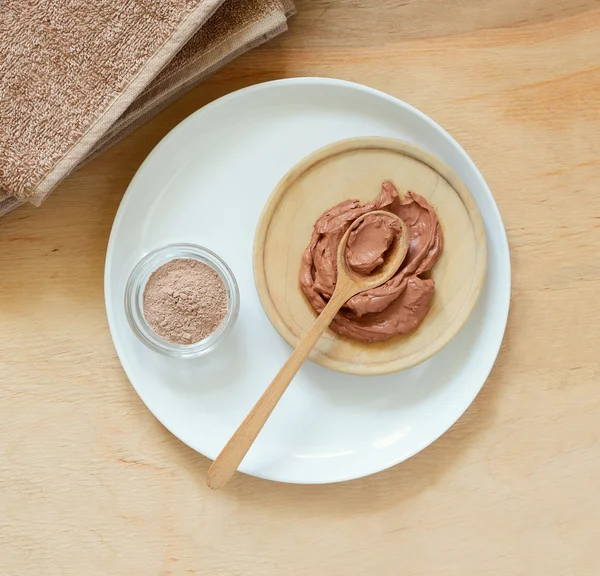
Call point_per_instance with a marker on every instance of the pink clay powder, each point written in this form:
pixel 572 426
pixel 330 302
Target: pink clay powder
pixel 185 301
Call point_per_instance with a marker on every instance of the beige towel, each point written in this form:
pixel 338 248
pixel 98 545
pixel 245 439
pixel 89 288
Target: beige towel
pixel 77 76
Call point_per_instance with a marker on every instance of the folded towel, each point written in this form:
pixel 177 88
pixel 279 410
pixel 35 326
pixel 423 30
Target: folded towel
pixel 77 76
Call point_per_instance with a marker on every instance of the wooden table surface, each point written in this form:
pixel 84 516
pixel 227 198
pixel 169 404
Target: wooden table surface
pixel 91 483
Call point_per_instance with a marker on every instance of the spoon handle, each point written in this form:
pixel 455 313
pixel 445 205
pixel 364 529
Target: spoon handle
pixel 227 462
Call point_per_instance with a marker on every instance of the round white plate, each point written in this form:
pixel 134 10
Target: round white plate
pixel 206 183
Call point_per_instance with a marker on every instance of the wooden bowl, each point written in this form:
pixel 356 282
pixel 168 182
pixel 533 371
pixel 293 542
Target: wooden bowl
pixel 355 168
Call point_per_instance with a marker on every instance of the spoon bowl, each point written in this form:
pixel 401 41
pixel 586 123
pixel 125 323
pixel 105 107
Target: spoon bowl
pixel 394 256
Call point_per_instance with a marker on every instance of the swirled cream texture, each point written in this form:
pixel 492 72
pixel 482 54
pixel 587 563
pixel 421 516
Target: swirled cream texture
pixel 399 305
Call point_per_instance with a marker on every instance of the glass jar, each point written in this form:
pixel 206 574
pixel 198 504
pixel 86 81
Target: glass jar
pixel 134 300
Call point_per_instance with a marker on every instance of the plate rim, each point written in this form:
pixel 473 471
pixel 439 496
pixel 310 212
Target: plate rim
pixel 504 298
pixel 323 154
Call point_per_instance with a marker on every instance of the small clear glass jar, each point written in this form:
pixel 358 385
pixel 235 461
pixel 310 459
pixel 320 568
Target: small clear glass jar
pixel 134 300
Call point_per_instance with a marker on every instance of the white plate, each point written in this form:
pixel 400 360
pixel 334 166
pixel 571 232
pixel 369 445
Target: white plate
pixel 206 183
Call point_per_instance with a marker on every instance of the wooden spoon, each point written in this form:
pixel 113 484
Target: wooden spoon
pixel 347 285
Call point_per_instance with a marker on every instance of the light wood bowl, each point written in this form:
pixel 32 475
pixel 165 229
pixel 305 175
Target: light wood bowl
pixel 355 168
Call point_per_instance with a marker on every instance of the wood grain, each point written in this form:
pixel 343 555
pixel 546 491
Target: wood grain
pixel 355 168
pixel 91 483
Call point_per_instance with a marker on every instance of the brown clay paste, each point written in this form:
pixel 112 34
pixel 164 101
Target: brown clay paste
pixel 399 305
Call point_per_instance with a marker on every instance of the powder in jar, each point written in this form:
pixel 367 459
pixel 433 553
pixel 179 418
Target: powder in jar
pixel 185 301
